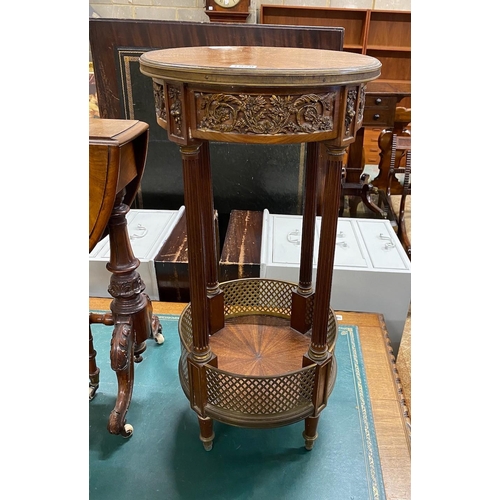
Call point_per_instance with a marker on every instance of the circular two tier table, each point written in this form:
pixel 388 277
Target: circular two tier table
pixel 257 352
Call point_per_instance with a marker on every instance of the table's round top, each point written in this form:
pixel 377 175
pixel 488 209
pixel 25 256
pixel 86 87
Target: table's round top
pixel 259 66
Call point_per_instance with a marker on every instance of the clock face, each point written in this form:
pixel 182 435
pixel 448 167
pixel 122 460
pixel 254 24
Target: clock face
pixel 227 4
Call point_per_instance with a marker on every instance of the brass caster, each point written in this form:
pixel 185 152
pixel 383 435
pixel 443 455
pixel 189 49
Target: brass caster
pixel 309 441
pixel 127 431
pixel 208 442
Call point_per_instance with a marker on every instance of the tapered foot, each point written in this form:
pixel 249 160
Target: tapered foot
pixel 208 444
pixel 309 440
pixel 310 435
pixel 206 432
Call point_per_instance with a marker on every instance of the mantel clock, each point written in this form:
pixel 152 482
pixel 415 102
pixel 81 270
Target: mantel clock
pixel 227 11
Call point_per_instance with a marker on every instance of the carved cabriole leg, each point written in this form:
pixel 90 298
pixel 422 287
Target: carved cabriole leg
pixel 303 296
pixel 196 206
pixel 132 316
pixel 122 363
pixel 214 293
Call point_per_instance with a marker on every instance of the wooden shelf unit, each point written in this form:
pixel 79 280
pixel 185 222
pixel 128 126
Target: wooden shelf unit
pixel 384 34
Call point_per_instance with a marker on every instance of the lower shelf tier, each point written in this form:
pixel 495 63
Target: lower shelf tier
pixel 259 378
pixel 259 348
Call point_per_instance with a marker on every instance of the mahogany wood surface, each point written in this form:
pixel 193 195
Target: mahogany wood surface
pixel 117 154
pixel 265 66
pixel 259 347
pixel 384 387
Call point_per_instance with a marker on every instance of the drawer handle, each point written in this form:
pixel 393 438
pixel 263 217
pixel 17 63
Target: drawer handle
pixel 378 100
pixel 293 237
pixel 389 244
pixel 143 231
pixel 342 244
pixel 376 117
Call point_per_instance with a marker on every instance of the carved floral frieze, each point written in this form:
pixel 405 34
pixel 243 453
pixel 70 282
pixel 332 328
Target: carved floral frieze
pixel 265 114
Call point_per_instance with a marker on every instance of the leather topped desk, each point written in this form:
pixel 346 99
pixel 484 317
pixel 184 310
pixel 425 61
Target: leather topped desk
pixel 391 425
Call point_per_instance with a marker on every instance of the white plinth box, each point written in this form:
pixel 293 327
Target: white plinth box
pixel 148 230
pixel 371 272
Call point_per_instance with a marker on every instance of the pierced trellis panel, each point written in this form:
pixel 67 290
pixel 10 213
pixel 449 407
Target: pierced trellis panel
pixel 260 395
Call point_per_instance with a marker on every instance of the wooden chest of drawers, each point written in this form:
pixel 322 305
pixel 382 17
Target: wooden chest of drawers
pixel 379 110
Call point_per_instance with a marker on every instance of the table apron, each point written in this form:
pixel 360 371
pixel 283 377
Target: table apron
pixel 269 115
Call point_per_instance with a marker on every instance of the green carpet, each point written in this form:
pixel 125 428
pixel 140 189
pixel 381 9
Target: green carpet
pixel 164 458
